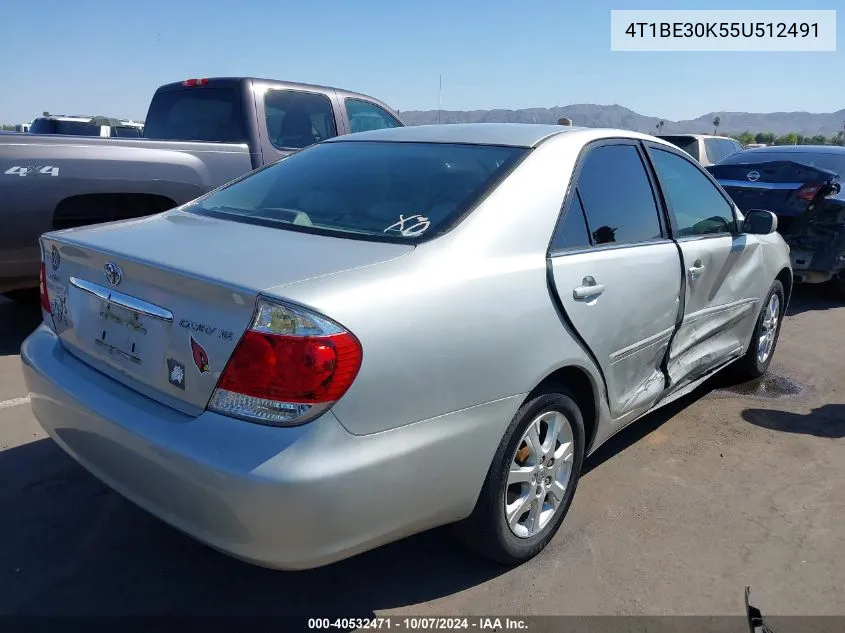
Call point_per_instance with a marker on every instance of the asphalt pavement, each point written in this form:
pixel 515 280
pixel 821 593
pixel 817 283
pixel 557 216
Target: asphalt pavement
pixel 733 485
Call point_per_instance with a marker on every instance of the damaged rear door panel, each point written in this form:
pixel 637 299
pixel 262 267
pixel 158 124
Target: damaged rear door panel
pixel 723 270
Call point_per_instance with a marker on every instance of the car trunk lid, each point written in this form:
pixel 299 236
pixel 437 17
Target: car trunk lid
pixel 774 186
pixel 160 303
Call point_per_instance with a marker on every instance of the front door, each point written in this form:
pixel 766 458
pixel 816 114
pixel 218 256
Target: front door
pixel 720 267
pixel 617 274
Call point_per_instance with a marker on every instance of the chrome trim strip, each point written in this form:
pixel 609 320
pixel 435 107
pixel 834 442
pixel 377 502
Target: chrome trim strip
pixel 123 300
pixel 748 184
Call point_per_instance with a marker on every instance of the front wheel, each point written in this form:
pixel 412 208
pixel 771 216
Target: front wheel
pixel 757 359
pixel 531 481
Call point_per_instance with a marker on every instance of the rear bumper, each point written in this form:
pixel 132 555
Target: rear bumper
pixel 288 498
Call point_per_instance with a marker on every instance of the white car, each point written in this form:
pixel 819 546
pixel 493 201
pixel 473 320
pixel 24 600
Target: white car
pixel 707 150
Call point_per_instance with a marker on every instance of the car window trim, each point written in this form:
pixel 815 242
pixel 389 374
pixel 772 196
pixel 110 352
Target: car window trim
pixel 652 146
pixel 572 189
pixel 308 92
pixel 370 103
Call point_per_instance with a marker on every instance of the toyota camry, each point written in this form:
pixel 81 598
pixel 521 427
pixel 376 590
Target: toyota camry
pixel 395 330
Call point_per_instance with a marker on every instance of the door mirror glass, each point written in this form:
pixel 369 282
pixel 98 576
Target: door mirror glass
pixel 760 222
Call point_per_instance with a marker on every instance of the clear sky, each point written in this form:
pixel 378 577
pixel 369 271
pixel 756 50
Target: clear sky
pixel 107 57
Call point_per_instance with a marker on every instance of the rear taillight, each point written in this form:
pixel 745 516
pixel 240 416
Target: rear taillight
pixel 808 191
pixel 289 366
pixel 45 297
pixel 194 82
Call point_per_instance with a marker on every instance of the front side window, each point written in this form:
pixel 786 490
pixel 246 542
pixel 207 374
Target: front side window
pixel 617 196
pixel 699 207
pixel 364 116
pixel 297 119
pixel 404 192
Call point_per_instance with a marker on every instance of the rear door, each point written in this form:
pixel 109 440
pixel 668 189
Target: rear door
pixel 721 268
pixel 616 272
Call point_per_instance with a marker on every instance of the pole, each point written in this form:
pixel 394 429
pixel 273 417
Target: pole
pixel 440 99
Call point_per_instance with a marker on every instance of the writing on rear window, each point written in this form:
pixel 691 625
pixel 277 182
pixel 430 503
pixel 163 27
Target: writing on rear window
pixel 19 170
pixel 412 226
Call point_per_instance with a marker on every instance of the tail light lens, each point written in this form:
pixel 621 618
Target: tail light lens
pixel 290 366
pixel 808 192
pixel 45 297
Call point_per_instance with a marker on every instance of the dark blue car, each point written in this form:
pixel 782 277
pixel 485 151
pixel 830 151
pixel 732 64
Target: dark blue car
pixel 800 184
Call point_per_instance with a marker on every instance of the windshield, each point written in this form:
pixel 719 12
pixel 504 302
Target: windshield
pixel 687 143
pixel 381 190
pixel 821 160
pixel 73 128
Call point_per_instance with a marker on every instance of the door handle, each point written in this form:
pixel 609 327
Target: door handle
pixel 696 269
pixel 589 288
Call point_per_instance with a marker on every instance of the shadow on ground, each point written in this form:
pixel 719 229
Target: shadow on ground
pixel 810 297
pixel 17 321
pixel 825 421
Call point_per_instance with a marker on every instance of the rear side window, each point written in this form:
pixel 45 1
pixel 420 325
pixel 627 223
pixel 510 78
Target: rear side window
pixel 364 116
pixel 687 143
pixel 196 114
pixel 617 196
pixel 715 150
pixel 298 119
pixel 698 206
pixel 404 192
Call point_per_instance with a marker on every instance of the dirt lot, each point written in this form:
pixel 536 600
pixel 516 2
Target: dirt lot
pixel 732 486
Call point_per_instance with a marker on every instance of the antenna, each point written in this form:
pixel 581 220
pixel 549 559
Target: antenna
pixel 440 99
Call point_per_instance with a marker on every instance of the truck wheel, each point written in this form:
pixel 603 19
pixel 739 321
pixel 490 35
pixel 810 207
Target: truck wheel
pixel 757 359
pixel 531 481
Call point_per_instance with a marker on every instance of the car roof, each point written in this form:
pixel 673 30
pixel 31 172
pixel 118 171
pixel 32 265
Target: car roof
pixel 797 149
pixel 694 136
pixel 510 134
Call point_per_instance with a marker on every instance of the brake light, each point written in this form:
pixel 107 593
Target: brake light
pixel 45 297
pixel 808 192
pixel 289 366
pixel 194 82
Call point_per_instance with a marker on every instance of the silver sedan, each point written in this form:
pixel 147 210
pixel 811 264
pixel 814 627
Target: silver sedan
pixel 395 330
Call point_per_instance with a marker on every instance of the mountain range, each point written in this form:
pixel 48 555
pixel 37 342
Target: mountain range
pixel 616 116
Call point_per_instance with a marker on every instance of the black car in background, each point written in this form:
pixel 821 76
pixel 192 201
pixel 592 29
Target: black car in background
pixel 800 184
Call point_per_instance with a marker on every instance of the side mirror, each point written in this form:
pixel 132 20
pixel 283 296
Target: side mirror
pixel 760 222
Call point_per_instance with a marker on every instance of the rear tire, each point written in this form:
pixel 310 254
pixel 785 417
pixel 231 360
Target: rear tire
pixel 535 476
pixel 839 287
pixel 760 352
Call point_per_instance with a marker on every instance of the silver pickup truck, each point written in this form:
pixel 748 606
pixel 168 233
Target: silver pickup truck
pixel 198 134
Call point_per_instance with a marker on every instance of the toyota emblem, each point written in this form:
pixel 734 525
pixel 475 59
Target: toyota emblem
pixel 753 176
pixel 113 273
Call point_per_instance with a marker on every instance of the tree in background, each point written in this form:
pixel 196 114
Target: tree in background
pixel 765 137
pixel 746 138
pixel 787 139
pixel 659 126
pixel 716 122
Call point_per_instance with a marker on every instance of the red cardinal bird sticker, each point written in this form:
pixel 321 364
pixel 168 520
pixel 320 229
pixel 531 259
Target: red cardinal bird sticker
pixel 200 357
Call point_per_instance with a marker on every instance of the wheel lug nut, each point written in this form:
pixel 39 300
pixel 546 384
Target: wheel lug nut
pixel 548 481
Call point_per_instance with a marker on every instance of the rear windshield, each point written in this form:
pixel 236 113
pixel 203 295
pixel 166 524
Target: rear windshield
pixel 74 128
pixel 406 192
pixel 687 143
pixel 830 162
pixel 128 131
pixel 196 114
